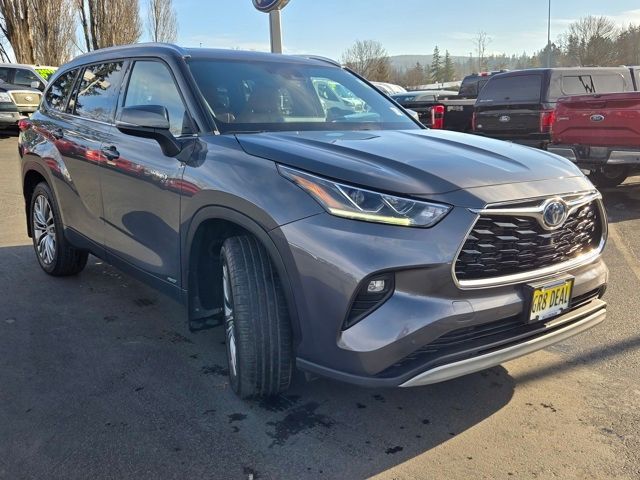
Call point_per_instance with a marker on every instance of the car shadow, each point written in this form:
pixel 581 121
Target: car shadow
pixel 623 202
pixel 108 368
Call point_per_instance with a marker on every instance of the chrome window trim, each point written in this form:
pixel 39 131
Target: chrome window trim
pixel 574 201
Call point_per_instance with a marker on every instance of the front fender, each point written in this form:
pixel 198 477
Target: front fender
pixel 280 256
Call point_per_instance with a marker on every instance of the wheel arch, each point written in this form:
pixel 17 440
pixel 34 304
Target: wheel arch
pixel 32 174
pixel 216 223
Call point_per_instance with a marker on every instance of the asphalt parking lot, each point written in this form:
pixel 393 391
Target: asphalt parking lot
pixel 100 378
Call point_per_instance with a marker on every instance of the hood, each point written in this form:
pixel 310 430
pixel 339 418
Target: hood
pixel 410 162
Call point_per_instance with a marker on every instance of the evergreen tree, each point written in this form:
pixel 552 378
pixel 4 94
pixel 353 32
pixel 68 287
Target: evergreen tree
pixel 436 66
pixel 448 71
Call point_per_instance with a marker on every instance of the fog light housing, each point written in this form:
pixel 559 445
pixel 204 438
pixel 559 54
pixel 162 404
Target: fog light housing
pixel 371 294
pixel 377 286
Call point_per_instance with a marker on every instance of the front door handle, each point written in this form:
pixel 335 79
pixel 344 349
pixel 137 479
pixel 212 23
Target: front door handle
pixel 57 133
pixel 110 152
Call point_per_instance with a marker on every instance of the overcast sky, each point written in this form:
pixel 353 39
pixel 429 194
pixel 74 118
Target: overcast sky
pixel 328 27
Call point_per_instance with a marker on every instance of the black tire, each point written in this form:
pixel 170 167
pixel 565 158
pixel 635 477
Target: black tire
pixel 63 258
pixel 257 322
pixel 610 176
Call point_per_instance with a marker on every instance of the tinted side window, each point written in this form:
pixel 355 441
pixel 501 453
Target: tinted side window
pixel 56 96
pixel 512 89
pixel 4 74
pixel 96 95
pixel 151 83
pixel 578 85
pixel 614 83
pixel 25 77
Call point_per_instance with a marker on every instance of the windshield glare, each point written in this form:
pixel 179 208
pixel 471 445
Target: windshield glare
pixel 280 96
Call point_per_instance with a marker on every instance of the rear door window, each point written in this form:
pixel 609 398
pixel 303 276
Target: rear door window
pixel 97 93
pixel 56 96
pixel 512 89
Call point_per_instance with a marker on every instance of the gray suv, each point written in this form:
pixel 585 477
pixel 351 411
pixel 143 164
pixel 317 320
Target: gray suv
pixel 352 244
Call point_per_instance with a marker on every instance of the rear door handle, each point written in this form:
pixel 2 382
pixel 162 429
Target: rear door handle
pixel 110 152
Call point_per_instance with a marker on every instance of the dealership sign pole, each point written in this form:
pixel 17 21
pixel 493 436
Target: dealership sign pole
pixel 273 7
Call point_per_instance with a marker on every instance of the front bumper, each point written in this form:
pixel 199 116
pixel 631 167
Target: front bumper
pixel 10 119
pixel 329 257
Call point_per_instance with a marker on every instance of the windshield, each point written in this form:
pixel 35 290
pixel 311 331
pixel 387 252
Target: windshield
pixel 262 96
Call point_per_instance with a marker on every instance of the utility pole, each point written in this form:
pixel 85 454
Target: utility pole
pixel 549 37
pixel 275 28
pixel 273 8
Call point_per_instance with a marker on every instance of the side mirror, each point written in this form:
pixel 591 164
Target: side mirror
pixel 35 84
pixel 149 121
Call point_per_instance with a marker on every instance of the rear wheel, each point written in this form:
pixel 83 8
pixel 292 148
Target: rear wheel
pixel 609 176
pixel 258 331
pixel 55 254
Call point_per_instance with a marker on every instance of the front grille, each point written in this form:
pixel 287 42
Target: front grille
pixel 22 99
pixel 500 245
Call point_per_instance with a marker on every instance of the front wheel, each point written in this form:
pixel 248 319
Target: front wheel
pixel 609 176
pixel 258 331
pixel 55 254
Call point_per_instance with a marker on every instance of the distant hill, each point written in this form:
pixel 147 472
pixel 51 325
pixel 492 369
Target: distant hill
pixel 401 62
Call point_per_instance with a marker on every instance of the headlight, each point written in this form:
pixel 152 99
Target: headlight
pixel 5 98
pixel 359 204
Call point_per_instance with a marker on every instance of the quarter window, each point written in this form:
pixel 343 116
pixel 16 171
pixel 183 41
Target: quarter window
pixel 56 96
pixel 151 83
pixel 4 74
pixel 96 96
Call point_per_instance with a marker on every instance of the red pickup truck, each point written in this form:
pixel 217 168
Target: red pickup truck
pixel 600 133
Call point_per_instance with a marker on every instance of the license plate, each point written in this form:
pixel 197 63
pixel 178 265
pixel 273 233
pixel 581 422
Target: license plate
pixel 550 300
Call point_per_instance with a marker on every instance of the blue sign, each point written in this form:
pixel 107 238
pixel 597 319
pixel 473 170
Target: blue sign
pixel 269 5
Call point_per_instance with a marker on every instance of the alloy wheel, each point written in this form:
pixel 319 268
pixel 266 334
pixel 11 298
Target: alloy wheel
pixel 44 229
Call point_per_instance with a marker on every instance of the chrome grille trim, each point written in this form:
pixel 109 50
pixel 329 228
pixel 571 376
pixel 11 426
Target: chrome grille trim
pixel 18 97
pixel 534 208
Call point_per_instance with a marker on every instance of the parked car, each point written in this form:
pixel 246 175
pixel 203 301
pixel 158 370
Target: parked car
pixel 600 133
pixel 32 76
pixel 362 247
pixel 388 88
pixel 474 83
pixel 334 95
pixel 519 105
pixel 16 102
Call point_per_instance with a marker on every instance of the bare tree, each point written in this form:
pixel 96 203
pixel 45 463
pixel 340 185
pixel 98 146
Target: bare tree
pixel 369 59
pixel 162 22
pixel 109 22
pixel 15 27
pixel 591 40
pixel 481 42
pixel 54 45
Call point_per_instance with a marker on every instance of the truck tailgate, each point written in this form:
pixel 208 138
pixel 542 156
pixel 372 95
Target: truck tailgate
pixel 519 119
pixel 607 120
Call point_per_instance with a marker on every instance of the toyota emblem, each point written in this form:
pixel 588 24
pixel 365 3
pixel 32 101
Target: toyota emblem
pixel 554 214
pixel 504 119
